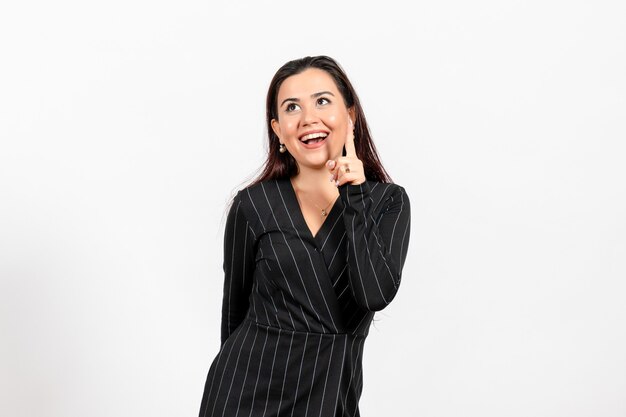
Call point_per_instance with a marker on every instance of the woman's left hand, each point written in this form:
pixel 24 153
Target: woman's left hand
pixel 337 167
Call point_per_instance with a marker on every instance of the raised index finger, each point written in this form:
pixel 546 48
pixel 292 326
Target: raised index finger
pixel 350 149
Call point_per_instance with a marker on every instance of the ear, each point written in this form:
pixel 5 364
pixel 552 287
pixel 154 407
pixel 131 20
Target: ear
pixel 276 127
pixel 352 114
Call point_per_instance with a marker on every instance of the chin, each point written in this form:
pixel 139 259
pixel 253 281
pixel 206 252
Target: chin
pixel 315 162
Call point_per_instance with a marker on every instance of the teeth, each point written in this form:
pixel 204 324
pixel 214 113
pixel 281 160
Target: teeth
pixel 313 136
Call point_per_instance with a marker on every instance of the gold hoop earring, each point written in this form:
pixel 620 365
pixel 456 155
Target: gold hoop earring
pixel 282 148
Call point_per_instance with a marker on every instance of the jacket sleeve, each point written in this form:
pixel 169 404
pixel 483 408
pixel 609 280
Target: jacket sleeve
pixel 239 263
pixel 377 247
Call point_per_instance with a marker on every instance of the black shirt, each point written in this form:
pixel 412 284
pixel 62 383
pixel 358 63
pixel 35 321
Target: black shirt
pixel 296 307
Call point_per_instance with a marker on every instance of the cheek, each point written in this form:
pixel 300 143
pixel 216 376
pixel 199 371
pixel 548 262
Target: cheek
pixel 290 127
pixel 336 121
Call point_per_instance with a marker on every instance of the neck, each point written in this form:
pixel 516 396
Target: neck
pixel 314 181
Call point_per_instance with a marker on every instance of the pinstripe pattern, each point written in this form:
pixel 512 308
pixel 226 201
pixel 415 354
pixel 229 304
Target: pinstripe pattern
pixel 297 308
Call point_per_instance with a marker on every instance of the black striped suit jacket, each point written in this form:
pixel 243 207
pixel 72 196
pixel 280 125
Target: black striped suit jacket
pixel 297 308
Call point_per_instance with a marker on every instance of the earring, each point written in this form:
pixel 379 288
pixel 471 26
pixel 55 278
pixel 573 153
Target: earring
pixel 282 148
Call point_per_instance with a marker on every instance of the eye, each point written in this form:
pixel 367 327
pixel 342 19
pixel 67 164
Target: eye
pixel 289 107
pixel 323 100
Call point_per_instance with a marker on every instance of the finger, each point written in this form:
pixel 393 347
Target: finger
pixel 337 169
pixel 349 146
pixel 331 166
pixel 336 165
pixel 345 177
pixel 341 168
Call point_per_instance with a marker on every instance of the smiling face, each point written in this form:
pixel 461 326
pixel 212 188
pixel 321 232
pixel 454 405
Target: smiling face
pixel 310 109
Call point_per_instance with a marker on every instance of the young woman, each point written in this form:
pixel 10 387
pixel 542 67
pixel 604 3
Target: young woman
pixel 312 248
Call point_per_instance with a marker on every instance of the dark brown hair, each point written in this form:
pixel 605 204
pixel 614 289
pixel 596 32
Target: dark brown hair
pixel 283 165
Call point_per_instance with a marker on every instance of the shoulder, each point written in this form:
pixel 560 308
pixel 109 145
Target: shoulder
pixel 257 200
pixel 252 193
pixel 247 204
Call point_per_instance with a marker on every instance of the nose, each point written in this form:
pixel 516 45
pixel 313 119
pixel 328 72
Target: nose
pixel 309 116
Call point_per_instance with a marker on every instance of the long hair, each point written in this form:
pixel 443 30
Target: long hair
pixel 283 165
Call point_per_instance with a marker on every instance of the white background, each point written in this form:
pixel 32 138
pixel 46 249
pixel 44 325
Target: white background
pixel 126 126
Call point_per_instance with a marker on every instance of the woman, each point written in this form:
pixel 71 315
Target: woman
pixel 312 249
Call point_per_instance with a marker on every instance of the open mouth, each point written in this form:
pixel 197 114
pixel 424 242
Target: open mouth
pixel 313 138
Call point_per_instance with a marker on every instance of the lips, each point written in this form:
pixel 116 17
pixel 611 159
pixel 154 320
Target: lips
pixel 313 134
pixel 314 139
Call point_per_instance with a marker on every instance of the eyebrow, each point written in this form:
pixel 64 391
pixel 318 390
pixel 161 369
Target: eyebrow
pixel 312 96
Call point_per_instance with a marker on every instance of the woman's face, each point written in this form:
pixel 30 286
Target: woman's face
pixel 308 103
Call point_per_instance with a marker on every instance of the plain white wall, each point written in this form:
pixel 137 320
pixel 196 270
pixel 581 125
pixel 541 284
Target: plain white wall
pixel 125 126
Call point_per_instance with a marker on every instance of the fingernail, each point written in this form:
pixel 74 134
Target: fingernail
pixel 331 177
pixel 337 183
